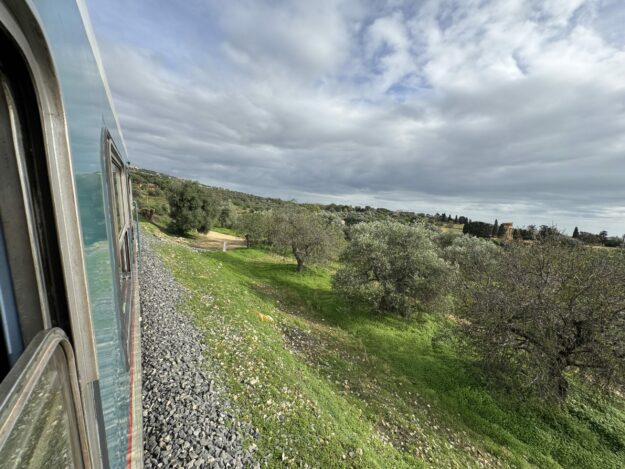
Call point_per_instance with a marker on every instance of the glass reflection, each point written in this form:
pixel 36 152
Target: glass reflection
pixel 42 436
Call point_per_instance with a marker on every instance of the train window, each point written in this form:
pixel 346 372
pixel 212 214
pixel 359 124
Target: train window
pixel 116 172
pixel 119 204
pixel 20 283
pixel 33 289
pixel 39 410
pixel 122 229
pixel 11 344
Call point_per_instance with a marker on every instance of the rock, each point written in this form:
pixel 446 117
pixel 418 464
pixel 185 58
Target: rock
pixel 187 416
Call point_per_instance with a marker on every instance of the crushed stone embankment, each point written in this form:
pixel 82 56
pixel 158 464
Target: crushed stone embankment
pixel 187 418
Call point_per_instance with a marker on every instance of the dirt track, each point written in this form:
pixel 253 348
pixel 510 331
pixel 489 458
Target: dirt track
pixel 214 241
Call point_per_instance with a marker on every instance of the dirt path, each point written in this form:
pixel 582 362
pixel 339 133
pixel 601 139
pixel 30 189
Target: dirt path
pixel 214 241
pixel 211 241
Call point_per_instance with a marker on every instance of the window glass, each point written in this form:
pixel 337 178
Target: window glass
pixel 123 239
pixel 11 344
pixel 117 201
pixel 44 434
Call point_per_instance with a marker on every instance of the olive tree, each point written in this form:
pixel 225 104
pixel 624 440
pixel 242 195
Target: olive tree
pixel 228 215
pixel 254 226
pixel 395 267
pixel 309 236
pixel 547 311
pixel 191 207
pixel 473 256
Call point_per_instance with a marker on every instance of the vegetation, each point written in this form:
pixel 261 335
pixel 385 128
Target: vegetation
pixel 495 230
pixel 331 383
pixel 536 314
pixel 478 228
pixel 308 236
pixel 228 216
pixel 393 267
pixel 546 313
pixel 474 257
pixel 191 208
pixel 151 190
pixel 254 226
pixel 601 239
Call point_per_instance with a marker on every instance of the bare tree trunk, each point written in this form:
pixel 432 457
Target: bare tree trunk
pixel 556 372
pixel 299 259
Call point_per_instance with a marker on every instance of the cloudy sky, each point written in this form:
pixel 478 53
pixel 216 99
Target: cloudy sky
pixel 506 109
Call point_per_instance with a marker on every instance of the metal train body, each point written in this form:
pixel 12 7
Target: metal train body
pixel 69 340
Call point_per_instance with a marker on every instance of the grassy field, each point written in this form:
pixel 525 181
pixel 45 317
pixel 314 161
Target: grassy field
pixel 330 384
pixel 226 231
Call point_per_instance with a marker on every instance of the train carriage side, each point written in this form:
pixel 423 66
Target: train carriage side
pixel 69 323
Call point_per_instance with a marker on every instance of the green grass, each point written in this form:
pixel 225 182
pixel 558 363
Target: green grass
pixel 223 230
pixel 331 384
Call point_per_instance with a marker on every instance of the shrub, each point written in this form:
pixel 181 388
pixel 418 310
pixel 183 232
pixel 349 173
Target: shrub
pixel 446 239
pixel 394 267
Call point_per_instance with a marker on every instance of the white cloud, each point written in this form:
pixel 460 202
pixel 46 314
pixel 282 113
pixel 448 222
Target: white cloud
pixel 387 50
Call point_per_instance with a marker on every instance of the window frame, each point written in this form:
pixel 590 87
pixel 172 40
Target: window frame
pixel 22 25
pixel 18 386
pixel 121 232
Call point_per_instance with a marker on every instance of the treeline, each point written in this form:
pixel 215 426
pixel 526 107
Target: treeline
pixel 151 189
pixel 353 215
pixel 305 232
pixel 601 239
pixel 532 233
pixel 224 207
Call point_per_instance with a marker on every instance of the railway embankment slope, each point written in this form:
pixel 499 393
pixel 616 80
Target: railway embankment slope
pixel 325 382
pixel 188 420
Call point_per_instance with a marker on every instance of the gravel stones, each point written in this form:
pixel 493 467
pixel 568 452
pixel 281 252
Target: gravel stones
pixel 187 418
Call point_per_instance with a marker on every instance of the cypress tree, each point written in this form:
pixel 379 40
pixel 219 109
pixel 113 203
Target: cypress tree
pixel 495 229
pixel 575 233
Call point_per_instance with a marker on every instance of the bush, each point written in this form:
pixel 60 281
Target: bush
pixel 539 312
pixel 394 267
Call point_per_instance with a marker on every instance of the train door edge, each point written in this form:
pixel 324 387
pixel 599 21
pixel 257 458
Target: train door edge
pixel 33 110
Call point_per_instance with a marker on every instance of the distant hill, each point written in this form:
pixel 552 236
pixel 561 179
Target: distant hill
pixel 150 191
